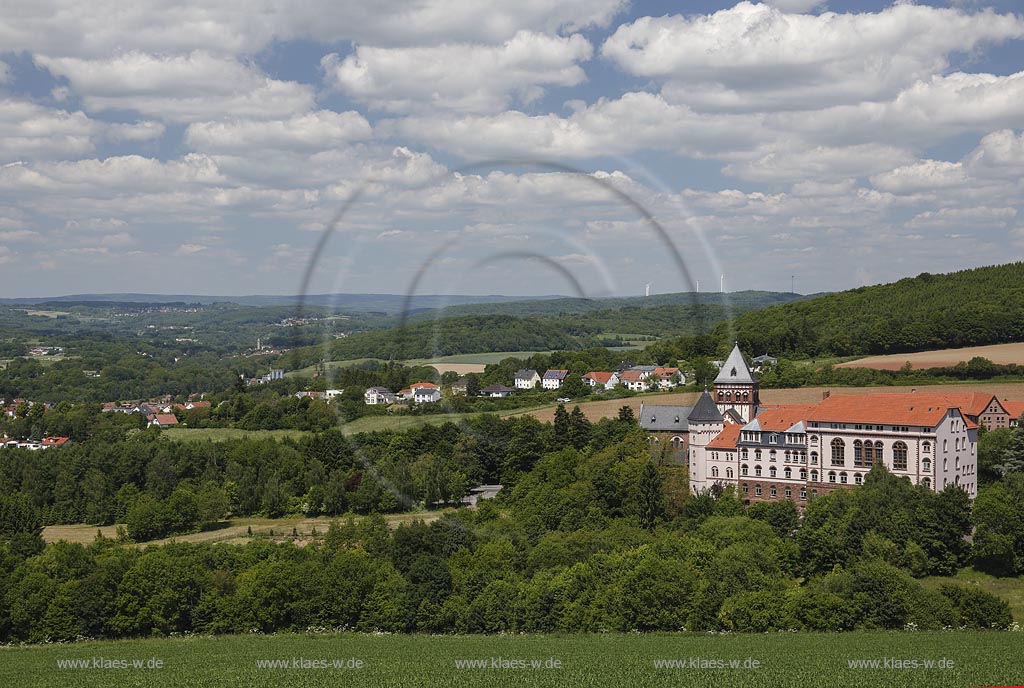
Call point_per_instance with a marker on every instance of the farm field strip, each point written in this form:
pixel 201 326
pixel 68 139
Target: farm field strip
pixel 1002 354
pixel 800 660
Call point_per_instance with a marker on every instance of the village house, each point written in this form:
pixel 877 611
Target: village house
pixel 600 379
pixel 459 386
pixel 526 379
pixel 497 391
pixel 378 395
pixel 553 379
pixel 162 420
pixel 668 378
pixel 34 445
pixel 635 380
pixel 425 392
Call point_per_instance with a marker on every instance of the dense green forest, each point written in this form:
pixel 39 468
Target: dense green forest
pixel 965 308
pixel 591 538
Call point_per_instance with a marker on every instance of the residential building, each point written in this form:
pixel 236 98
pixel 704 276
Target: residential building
pixel 600 379
pixel 553 379
pixel 378 395
pixel 635 380
pixel 459 386
pixel 425 392
pixel 497 391
pixel 526 379
pixel 162 420
pixel 668 377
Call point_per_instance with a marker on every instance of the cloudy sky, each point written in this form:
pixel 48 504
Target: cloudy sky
pixel 536 147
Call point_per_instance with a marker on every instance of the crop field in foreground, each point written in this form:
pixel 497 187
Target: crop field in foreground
pixel 782 659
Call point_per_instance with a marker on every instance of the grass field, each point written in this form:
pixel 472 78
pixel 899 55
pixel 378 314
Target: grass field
pixel 221 434
pixel 234 531
pixel 1010 589
pixel 798 660
pixel 998 353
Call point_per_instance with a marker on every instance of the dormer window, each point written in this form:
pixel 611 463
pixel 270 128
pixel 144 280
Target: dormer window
pixel 733 373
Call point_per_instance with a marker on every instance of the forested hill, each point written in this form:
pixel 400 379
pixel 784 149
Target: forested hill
pixel 739 301
pixel 565 325
pixel 965 308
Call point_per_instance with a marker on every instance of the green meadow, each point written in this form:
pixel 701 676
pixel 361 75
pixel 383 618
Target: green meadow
pixel 799 660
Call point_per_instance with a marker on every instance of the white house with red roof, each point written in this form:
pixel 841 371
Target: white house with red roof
pixel 601 379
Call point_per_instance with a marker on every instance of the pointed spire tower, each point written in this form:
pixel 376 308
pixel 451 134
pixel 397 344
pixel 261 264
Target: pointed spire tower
pixel 736 387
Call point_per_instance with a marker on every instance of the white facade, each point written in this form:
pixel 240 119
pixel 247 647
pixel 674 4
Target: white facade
pixel 526 379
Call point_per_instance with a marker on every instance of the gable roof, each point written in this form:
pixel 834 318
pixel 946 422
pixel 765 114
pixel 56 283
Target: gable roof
pixel 665 418
pixel 418 385
pixel 706 411
pixel 633 375
pixel 915 408
pixel 526 374
pixel 735 369
pixel 555 374
pixel 598 376
pixel 497 388
pixel 665 372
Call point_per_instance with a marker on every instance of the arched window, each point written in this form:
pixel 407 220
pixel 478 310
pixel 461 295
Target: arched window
pixel 878 454
pixel 746 488
pixel 788 473
pixel 728 472
pixel 728 396
pixel 771 471
pixel 757 470
pixel 814 476
pixel 787 457
pixel 945 464
pixel 744 470
pixel 719 396
pixel 858 479
pixel 956 464
pixel 926 466
pixel 838 452
pixel 858 453
pixel 772 492
pixel 869 454
pixel 926 482
pixel 789 492
pixel 772 455
pixel 899 456
pixel 945 445
pixel 714 471
pixel 757 454
pixel 678 442
pixel 803 493
pixel 745 453
pixel 814 458
pixel 803 474
pixel 831 476
pixel 745 394
pixel 757 490
pixel 842 477
pixel 926 447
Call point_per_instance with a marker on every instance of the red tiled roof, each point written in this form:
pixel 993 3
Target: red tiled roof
pixel 1014 408
pixel 55 441
pixel 916 408
pixel 784 416
pixel 665 372
pixel 598 376
pixel 632 376
pixel 165 419
pixel 727 438
pixel 428 385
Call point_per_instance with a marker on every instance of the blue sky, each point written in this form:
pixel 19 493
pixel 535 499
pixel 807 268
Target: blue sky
pixel 447 146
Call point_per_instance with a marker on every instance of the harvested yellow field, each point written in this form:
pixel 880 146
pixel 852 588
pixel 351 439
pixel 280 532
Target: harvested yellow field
pixel 1002 354
pixel 460 368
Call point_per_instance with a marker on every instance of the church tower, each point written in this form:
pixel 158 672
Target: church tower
pixel 736 388
pixel 705 422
